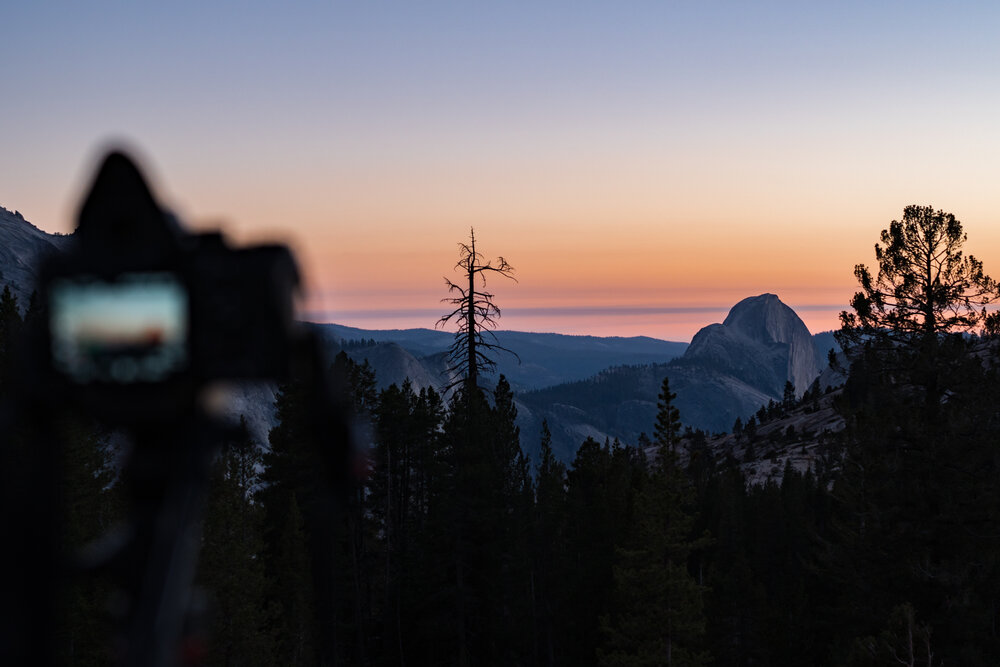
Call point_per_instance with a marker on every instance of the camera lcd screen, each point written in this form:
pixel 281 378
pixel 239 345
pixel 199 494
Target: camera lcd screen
pixel 134 329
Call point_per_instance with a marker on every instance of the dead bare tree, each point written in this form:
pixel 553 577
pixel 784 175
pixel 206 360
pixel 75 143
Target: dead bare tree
pixel 476 315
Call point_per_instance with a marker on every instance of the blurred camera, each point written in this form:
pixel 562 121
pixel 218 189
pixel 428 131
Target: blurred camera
pixel 140 315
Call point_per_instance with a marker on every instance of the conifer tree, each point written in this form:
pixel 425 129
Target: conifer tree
pixel 10 314
pixel 657 613
pixel 361 384
pixel 548 547
pixel 925 285
pixel 10 328
pixel 431 612
pixel 926 294
pixel 232 563
pixel 668 420
pixel 405 460
pixel 788 396
pixel 487 503
pixel 91 506
pixel 354 533
pixel 490 491
pixel 290 496
pixel 472 500
pixel 297 620
pixel 907 529
pixel 512 577
pixel 600 504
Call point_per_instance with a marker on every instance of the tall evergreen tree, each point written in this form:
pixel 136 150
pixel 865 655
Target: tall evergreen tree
pixel 298 628
pixel 291 496
pixel 548 549
pixel 657 614
pixel 488 502
pixel 926 294
pixel 602 485
pixel 402 490
pixel 473 499
pixel 91 506
pixel 788 396
pixel 908 530
pixel 354 557
pixel 488 496
pixel 512 577
pixel 668 420
pixel 10 328
pixel 232 561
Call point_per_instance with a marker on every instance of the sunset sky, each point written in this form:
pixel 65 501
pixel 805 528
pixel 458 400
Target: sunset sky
pixel 643 165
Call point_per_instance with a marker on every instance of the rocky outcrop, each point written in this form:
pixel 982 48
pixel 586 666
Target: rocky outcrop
pixel 762 342
pixel 804 438
pixel 729 371
pixel 22 245
pixel 394 365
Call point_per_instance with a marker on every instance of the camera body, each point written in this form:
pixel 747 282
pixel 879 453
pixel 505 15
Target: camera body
pixel 136 323
pixel 140 316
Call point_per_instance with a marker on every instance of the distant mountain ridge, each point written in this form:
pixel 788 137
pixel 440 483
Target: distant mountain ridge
pixel 545 358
